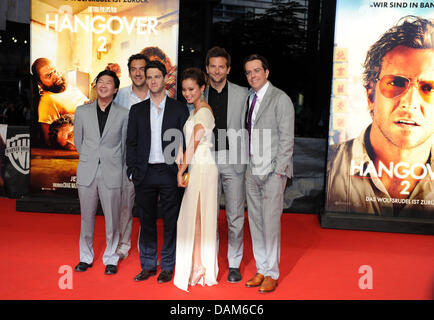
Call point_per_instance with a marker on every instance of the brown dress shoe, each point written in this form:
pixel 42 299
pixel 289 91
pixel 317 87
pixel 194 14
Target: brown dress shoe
pixel 255 281
pixel 268 285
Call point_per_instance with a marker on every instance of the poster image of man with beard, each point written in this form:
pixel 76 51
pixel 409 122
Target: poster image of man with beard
pixel 57 97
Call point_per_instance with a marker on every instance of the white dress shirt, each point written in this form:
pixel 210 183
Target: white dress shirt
pixel 156 151
pixel 260 95
pixel 126 97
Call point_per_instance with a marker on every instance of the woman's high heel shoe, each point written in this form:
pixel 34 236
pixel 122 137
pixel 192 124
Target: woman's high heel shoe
pixel 197 274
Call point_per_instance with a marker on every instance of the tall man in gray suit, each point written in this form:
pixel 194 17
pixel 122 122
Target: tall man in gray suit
pixel 269 120
pixel 100 133
pixel 227 101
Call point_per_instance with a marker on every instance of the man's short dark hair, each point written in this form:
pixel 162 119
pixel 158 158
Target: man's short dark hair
pixel 410 31
pixel 110 74
pixel 256 56
pixel 56 125
pixel 215 52
pixel 137 56
pixel 156 65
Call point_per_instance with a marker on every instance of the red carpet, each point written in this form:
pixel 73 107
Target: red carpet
pixel 315 263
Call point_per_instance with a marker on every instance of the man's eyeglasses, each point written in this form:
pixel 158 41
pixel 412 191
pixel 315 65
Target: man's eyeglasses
pixel 254 71
pixel 392 86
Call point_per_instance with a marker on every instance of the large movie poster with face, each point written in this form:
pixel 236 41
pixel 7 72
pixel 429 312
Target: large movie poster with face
pixel 380 156
pixel 71 42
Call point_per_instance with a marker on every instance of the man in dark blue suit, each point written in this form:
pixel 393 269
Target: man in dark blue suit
pixel 153 139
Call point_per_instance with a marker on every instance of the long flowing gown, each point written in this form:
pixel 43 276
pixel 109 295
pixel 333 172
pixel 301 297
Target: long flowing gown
pixel 202 187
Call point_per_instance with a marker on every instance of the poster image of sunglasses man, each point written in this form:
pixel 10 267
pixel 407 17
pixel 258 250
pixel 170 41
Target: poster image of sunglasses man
pixel 388 170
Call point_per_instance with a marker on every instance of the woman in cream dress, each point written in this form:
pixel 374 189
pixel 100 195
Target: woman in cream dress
pixel 196 245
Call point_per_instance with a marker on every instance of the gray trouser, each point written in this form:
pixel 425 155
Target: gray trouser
pixel 110 201
pixel 126 218
pixel 265 206
pixel 233 186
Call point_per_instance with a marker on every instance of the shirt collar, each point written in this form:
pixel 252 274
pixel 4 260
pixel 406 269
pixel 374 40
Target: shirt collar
pixel 107 109
pixel 224 90
pixel 261 92
pixel 131 92
pixel 162 104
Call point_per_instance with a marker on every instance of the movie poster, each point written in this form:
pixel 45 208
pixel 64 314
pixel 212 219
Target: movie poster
pixel 380 155
pixel 71 42
pixel 3 130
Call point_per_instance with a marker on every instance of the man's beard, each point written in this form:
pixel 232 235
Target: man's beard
pixel 218 81
pixel 57 87
pixel 139 85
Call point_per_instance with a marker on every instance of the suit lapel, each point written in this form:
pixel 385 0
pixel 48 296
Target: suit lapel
pixel 165 118
pixel 206 93
pixel 110 119
pixel 264 103
pixel 147 118
pixel 246 108
pixel 93 117
pixel 230 116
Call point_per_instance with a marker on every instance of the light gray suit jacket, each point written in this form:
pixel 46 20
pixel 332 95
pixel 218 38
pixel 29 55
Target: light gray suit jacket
pixel 272 134
pixel 236 99
pixel 107 149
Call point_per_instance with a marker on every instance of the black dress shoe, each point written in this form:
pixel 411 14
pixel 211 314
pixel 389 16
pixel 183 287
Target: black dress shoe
pixel 165 276
pixel 111 269
pixel 234 275
pixel 145 274
pixel 82 266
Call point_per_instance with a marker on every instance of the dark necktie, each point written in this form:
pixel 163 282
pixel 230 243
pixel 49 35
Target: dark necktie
pixel 249 118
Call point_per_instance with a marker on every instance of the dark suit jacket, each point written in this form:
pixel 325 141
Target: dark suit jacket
pixel 139 136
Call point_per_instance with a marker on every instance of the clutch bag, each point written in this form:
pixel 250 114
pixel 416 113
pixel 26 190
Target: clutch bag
pixel 185 178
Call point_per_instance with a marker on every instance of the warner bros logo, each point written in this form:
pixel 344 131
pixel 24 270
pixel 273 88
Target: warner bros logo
pixel 18 152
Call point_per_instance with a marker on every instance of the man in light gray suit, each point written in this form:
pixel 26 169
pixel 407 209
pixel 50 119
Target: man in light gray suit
pixel 99 135
pixel 269 120
pixel 227 101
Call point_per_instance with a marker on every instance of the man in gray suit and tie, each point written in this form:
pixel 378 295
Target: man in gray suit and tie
pixel 227 101
pixel 100 133
pixel 269 120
